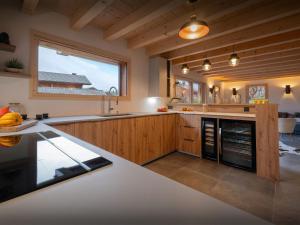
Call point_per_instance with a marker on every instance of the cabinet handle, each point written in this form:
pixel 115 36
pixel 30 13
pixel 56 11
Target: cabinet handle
pixel 220 140
pixel 186 139
pixel 188 126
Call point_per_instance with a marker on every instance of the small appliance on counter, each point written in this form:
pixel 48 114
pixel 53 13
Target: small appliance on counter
pixel 33 161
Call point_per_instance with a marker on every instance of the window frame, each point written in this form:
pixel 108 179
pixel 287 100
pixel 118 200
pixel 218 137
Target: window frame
pixel 201 87
pixel 81 50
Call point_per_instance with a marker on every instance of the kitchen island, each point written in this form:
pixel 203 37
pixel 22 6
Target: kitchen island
pixel 149 136
pixel 123 193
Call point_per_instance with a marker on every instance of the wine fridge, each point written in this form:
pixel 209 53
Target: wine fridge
pixel 231 142
pixel 209 138
pixel 237 143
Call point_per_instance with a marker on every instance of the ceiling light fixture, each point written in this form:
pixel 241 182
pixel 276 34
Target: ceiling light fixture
pixel 185 69
pixel 193 29
pixel 206 66
pixel 234 60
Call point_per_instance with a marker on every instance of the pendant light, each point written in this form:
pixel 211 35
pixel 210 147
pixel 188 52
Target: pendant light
pixel 234 59
pixel 206 66
pixel 185 69
pixel 193 29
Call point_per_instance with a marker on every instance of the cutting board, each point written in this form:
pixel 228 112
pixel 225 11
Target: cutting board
pixel 24 125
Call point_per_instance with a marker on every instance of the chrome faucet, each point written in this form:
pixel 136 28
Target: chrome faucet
pixel 110 94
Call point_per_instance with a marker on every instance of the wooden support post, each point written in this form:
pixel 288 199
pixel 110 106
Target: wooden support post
pixel 267 141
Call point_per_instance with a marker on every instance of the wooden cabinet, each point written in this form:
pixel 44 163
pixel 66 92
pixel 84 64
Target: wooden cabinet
pixel 155 137
pixel 86 131
pixel 148 138
pixel 158 77
pixel 168 133
pixel 126 134
pixel 139 140
pixel 106 135
pixel 67 128
pixel 189 134
pixel 142 139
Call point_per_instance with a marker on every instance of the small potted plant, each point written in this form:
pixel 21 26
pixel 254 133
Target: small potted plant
pixel 14 66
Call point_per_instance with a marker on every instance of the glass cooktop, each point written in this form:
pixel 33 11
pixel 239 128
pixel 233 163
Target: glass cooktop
pixel 32 161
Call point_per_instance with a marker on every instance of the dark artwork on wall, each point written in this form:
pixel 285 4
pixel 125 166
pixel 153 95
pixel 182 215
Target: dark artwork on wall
pixel 4 38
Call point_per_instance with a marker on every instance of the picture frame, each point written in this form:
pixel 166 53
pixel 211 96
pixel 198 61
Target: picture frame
pixel 256 92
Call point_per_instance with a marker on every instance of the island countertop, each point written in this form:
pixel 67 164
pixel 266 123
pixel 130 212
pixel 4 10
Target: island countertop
pixel 123 193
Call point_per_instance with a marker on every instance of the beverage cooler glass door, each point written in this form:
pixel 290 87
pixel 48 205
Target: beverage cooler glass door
pixel 209 138
pixel 238 144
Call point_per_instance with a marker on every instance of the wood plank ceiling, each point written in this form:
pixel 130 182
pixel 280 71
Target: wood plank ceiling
pixel 264 33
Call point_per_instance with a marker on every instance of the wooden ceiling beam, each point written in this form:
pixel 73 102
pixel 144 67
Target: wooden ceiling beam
pixel 264 30
pixel 279 42
pixel 263 61
pixel 258 77
pixel 88 12
pixel 152 10
pixel 206 9
pixel 281 69
pixel 273 64
pixel 29 6
pixel 248 58
pixel 263 12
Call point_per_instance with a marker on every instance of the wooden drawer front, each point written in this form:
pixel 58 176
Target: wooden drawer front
pixel 190 133
pixel 191 147
pixel 188 120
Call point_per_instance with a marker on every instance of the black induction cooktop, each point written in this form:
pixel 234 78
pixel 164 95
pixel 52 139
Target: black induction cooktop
pixel 29 162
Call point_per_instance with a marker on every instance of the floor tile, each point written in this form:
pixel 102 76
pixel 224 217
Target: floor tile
pixel 275 202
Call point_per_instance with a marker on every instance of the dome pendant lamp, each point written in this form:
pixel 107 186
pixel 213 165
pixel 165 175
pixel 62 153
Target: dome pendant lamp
pixel 185 69
pixel 193 29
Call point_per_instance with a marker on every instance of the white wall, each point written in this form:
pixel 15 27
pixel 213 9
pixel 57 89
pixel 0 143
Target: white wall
pixel 287 103
pixel 18 26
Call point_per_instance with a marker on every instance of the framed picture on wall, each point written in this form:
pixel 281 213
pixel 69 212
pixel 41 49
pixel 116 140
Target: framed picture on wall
pixel 256 92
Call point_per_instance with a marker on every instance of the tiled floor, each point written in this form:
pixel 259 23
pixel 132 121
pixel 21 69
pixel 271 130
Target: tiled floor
pixel 278 203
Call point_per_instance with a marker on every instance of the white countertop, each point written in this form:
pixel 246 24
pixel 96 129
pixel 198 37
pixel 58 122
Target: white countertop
pixel 248 115
pixel 70 119
pixel 123 193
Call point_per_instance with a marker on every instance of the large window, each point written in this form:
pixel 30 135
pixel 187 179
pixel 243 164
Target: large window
pixel 62 70
pixel 188 91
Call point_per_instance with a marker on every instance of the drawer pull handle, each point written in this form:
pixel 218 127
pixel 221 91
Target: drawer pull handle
pixel 189 127
pixel 186 139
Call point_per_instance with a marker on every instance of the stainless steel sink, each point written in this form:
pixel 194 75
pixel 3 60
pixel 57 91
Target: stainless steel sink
pixel 117 114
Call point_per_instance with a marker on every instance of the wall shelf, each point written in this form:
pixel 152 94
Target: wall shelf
pixel 10 74
pixel 6 47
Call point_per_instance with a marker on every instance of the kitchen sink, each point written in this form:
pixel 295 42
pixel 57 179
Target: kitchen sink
pixel 116 114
